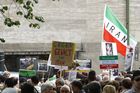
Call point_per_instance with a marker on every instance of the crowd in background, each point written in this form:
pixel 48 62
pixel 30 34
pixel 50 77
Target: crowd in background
pixel 91 83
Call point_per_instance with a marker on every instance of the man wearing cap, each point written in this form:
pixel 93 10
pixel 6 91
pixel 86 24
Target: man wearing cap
pixel 135 82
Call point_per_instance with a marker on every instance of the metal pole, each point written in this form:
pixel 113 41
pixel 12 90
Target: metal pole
pixel 127 20
pixel 2 59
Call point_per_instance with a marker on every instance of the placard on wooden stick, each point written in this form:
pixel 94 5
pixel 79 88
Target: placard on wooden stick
pixel 62 53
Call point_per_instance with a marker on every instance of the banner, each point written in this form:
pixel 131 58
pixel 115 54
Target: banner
pixel 114 31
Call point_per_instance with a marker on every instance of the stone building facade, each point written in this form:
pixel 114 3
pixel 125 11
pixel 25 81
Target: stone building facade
pixel 78 21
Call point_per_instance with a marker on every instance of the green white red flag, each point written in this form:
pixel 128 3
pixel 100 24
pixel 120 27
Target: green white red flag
pixel 114 31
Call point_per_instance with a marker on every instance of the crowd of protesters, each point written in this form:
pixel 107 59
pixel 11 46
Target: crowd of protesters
pixel 90 83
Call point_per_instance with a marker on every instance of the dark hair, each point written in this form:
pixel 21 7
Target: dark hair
pixel 77 84
pixel 92 75
pixel 27 88
pixel 9 82
pixel 35 79
pixel 126 83
pixel 135 74
pixel 15 80
pixel 93 87
pixel 2 79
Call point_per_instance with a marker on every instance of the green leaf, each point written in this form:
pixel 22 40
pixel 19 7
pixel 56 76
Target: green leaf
pixel 17 23
pixel 20 1
pixel 39 18
pixel 5 8
pixel 31 25
pixel 2 11
pixel 19 13
pixel 28 3
pixel 34 25
pixel 36 1
pixel 2 40
pixel 29 15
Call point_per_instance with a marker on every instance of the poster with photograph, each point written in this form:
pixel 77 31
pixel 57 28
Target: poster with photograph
pixel 129 59
pixel 109 49
pixel 83 64
pixel 42 67
pixel 72 75
pixel 28 63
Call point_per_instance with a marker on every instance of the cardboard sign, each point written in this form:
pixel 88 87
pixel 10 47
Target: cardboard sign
pixel 62 53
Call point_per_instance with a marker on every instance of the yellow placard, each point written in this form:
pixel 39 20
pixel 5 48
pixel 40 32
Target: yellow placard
pixel 62 53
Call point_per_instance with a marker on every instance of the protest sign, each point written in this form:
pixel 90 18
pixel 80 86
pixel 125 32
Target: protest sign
pixel 62 53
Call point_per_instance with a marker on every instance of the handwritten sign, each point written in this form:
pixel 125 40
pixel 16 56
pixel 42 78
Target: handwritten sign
pixel 62 53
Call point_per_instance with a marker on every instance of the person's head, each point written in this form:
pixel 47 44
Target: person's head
pixel 126 83
pixel 15 80
pixel 105 78
pixel 34 80
pixel 93 86
pixel 6 74
pixel 76 86
pixel 114 83
pixel 59 83
pixel 136 79
pixel 58 74
pixel 27 88
pixel 9 82
pixel 92 75
pixel 2 79
pixel 109 89
pixel 119 79
pixel 65 89
pixel 47 88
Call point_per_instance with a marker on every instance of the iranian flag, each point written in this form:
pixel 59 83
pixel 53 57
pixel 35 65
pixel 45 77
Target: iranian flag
pixel 114 31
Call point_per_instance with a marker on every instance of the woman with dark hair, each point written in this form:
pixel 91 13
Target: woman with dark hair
pixel 126 85
pixel 77 86
pixel 93 87
pixel 27 88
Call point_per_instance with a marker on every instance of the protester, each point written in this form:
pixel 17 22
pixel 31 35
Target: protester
pixel 135 82
pixel 93 86
pixel 65 89
pixel 109 89
pixel 91 76
pixel 9 86
pixel 115 83
pixel 27 88
pixel 126 85
pixel 35 81
pixel 59 83
pixel 77 86
pixel 48 88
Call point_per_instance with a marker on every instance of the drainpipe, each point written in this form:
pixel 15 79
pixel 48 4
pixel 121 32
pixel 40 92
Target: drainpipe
pixel 127 20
